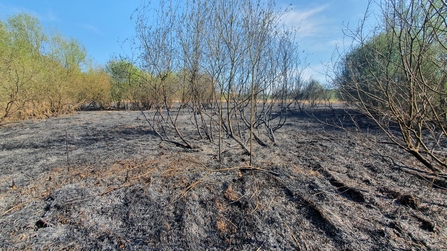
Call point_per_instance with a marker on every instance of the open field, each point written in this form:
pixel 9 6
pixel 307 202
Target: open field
pixel 101 180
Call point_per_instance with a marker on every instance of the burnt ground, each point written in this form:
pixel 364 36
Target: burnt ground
pixel 101 180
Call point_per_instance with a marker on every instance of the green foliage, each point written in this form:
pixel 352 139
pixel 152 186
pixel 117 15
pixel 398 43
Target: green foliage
pixel 363 65
pixel 314 92
pixel 398 76
pixel 379 73
pixel 68 53
pixel 43 74
pixel 125 80
pixel 95 87
pixel 131 84
pixel 156 91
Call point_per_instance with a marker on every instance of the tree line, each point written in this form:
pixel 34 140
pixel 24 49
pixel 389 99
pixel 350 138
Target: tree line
pixel 44 73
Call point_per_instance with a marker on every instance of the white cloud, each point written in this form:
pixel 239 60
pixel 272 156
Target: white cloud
pixel 309 22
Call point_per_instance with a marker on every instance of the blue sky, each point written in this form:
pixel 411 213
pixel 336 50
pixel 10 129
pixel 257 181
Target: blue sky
pixel 103 26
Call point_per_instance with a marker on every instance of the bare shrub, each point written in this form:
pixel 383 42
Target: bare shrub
pixel 235 66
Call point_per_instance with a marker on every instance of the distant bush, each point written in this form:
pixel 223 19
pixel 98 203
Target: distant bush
pixel 312 93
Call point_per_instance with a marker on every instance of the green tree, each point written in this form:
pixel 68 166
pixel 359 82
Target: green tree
pixel 43 74
pixel 125 79
pixel 23 40
pixel 398 76
pixel 94 88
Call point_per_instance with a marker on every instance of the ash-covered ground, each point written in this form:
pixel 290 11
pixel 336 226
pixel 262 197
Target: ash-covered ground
pixel 102 180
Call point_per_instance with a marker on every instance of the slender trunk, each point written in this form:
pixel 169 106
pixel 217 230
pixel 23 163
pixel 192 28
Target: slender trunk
pixel 252 114
pixel 220 128
pixel 230 128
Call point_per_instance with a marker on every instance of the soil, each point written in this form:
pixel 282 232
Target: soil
pixel 102 180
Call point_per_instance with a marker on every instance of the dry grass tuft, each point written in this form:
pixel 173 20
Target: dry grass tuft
pixel 230 194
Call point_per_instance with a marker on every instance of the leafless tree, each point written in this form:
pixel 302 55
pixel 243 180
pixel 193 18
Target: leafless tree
pixel 228 57
pixel 159 58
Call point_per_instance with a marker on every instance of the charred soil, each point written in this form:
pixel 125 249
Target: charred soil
pixel 103 180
